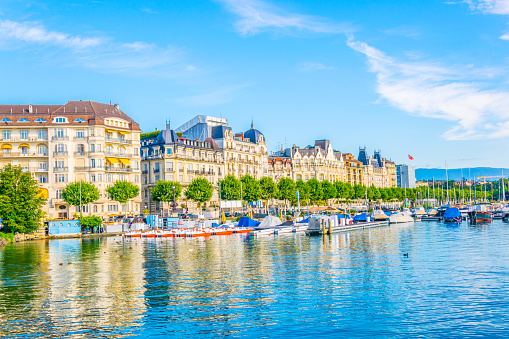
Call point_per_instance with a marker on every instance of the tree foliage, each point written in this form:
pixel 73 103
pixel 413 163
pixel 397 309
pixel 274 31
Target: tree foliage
pixel 315 190
pixel 163 191
pixel 251 190
pixel 303 189
pixel 230 188
pixel 123 191
pixel 329 190
pixel 71 193
pixel 200 190
pixel 268 188
pixel 90 221
pixel 20 202
pixel 287 189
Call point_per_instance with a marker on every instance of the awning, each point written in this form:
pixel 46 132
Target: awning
pixel 24 145
pixel 6 146
pixel 125 161
pixel 121 147
pixel 122 132
pixel 113 160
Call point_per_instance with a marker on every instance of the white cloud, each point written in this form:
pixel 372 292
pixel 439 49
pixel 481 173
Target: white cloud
pixel 92 52
pixel 314 66
pixel 149 11
pixel 454 94
pixel 33 32
pixel 490 6
pixel 258 16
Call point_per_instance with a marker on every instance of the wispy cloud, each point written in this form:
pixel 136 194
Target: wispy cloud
pixel 314 66
pixel 258 16
pixel 454 94
pixel 490 6
pixel 99 53
pixel 404 31
pixel 149 11
pixel 213 98
pixel 32 32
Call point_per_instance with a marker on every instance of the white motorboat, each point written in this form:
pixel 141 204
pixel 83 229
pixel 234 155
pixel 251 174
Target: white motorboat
pixel 300 228
pixel 400 218
pixel 378 215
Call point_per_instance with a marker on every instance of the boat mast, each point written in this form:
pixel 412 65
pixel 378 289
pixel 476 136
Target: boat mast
pixel 462 187
pixel 503 187
pixel 434 198
pixel 447 182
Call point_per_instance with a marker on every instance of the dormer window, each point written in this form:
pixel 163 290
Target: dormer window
pixel 60 120
pixel 80 120
pixel 6 120
pixel 39 120
pixel 23 120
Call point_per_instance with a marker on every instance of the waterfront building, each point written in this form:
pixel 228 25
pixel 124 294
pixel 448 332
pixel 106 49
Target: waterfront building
pixel 405 176
pixel 166 156
pixel 243 153
pixel 320 161
pixel 378 171
pixel 80 140
pixel 354 169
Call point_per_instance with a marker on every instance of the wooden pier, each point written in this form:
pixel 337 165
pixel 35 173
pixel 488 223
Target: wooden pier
pixel 346 228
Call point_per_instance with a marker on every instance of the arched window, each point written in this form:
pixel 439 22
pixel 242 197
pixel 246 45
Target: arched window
pixel 80 148
pixel 121 150
pixel 108 149
pixel 42 150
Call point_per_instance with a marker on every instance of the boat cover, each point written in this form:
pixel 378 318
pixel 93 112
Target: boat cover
pixel 360 217
pixel 452 213
pixel 305 221
pixel 388 214
pixel 248 222
pixel 269 221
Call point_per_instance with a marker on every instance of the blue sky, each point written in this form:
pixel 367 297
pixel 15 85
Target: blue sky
pixel 426 78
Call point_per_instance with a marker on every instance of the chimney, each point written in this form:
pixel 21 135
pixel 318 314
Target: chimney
pixel 30 109
pixel 117 106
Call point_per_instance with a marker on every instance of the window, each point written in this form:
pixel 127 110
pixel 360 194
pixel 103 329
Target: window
pixel 121 150
pixel 60 133
pixel 181 178
pixel 99 177
pixel 6 120
pixel 145 167
pixel 41 134
pixel 60 120
pixel 79 120
pixel 109 149
pixel 136 165
pixel 24 150
pixel 80 149
pixel 23 120
pixel 146 193
pixel 168 151
pixel 122 177
pixel 61 148
pixel 95 208
pixel 40 120
pixel 92 148
pixel 80 134
pixel 109 177
pixel 157 178
pixel 85 208
pixel 61 177
pixel 43 166
pixel 156 167
pixel 156 152
pixel 169 166
pixel 59 164
pixel 43 178
pixel 6 134
pixel 146 180
pixel 92 177
pixel 112 208
pixel 136 178
pixel 58 194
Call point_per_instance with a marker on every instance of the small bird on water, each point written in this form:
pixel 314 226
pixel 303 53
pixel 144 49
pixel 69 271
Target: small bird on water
pixel 405 255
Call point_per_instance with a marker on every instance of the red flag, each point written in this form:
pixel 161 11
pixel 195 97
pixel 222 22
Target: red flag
pixel 410 157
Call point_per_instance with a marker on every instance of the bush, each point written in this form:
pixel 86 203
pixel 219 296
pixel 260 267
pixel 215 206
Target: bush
pixel 9 237
pixel 91 221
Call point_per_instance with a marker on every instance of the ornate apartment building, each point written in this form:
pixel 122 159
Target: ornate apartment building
pixel 166 156
pixel 81 140
pixel 378 171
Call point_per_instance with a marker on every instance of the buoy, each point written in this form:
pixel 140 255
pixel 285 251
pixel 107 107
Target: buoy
pixel 69 263
pixel 61 264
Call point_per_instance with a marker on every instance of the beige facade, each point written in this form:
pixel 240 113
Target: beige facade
pixel 167 156
pixel 81 140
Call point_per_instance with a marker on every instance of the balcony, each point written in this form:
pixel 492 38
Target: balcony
pixel 81 138
pixel 156 170
pixel 60 169
pixel 118 155
pixel 56 153
pixel 39 169
pixel 55 137
pixel 118 140
pixel 181 170
pixel 118 169
pixel 144 172
pixel 79 153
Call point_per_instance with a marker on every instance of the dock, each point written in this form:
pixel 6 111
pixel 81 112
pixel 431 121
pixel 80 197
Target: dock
pixel 431 218
pixel 346 228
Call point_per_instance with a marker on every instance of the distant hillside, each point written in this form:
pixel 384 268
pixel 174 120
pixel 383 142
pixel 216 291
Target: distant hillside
pixel 455 173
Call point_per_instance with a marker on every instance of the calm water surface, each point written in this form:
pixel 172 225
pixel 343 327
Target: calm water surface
pixel 454 283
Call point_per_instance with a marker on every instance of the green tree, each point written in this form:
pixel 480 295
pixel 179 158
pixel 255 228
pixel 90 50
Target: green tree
pixel 287 189
pixel 269 188
pixel 163 191
pixel 20 200
pixel 90 221
pixel 123 191
pixel 329 190
pixel 315 190
pixel 251 190
pixel 373 193
pixel 80 192
pixel 360 191
pixel 230 188
pixel 304 191
pixel 200 190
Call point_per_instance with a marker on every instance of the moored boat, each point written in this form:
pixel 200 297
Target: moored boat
pixel 400 217
pixel 480 213
pixel 452 215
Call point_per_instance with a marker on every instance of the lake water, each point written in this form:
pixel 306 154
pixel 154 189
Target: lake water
pixel 454 283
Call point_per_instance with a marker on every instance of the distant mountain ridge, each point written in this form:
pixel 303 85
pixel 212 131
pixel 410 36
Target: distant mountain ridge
pixel 455 173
